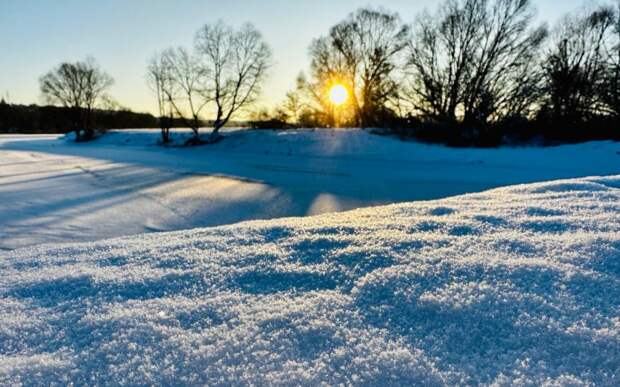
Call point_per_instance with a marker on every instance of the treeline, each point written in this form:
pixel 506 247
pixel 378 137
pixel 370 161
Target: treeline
pixel 35 119
pixel 222 74
pixel 53 119
pixel 474 72
pixel 471 72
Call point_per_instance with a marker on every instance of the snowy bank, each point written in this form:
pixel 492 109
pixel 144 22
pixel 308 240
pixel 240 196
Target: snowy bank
pixel 516 285
pixel 123 184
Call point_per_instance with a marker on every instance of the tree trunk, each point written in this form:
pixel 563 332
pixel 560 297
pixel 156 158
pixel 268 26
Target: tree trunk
pixel 215 134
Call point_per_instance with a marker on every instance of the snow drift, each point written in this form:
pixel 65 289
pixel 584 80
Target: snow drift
pixel 123 184
pixel 516 285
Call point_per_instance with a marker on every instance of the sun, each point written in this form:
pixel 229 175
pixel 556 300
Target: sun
pixel 338 94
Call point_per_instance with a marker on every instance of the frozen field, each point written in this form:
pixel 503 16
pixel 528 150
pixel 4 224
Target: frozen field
pixel 514 286
pixel 52 190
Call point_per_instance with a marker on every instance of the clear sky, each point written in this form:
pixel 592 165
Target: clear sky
pixel 36 35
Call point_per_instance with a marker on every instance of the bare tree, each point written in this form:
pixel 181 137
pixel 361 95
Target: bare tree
pixel 236 61
pixel 292 106
pixel 295 101
pixel 575 65
pixel 78 86
pixel 473 60
pixel 159 79
pixel 362 53
pixel 189 92
pixel 610 91
pixel 328 68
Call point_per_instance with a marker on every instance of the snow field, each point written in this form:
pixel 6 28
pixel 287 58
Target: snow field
pixel 54 191
pixel 518 285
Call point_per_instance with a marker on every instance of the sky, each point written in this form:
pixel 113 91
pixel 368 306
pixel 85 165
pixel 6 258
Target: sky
pixel 36 35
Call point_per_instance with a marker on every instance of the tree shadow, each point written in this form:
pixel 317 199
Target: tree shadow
pixel 46 202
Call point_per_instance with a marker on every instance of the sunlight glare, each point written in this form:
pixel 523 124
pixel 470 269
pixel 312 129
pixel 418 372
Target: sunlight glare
pixel 338 94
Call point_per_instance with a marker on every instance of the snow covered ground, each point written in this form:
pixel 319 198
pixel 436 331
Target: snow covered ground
pixel 52 190
pixel 518 285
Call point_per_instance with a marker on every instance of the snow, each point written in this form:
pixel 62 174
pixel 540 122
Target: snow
pixel 517 285
pixel 53 190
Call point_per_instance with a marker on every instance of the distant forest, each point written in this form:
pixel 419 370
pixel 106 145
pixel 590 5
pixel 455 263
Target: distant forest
pixel 54 119
pixel 35 119
pixel 469 73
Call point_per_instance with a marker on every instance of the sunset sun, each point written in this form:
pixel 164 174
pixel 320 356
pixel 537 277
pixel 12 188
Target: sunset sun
pixel 338 94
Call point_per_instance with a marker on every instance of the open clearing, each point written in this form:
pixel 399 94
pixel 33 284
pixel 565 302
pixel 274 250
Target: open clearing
pixel 52 190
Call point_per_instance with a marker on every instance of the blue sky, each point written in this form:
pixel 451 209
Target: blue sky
pixel 36 35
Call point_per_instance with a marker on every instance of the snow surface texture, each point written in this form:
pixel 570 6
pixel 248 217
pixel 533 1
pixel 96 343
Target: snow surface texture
pixel 54 191
pixel 517 285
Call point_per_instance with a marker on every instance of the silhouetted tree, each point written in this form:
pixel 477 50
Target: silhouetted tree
pixel 236 62
pixel 295 102
pixel 292 106
pixel 159 79
pixel 575 66
pixel 264 119
pixel 188 92
pixel 475 61
pixel 610 91
pixel 361 53
pixel 310 102
pixel 79 86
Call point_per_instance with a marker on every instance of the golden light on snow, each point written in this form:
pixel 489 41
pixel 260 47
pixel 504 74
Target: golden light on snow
pixel 338 94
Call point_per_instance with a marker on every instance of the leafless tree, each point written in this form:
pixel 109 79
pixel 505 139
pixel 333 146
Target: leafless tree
pixel 295 101
pixel 328 68
pixel 159 79
pixel 80 87
pixel 362 52
pixel 189 92
pixel 610 91
pixel 292 106
pixel 236 62
pixel 575 65
pixel 473 60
